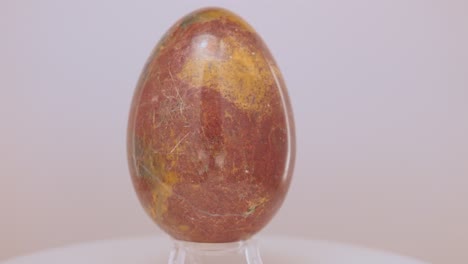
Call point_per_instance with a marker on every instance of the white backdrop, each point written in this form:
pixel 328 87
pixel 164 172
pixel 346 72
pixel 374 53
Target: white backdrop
pixel 379 90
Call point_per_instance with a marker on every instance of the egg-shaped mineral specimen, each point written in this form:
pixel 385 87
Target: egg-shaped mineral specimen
pixel 211 134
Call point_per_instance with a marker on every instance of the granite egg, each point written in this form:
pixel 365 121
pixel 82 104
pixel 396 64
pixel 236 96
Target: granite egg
pixel 211 140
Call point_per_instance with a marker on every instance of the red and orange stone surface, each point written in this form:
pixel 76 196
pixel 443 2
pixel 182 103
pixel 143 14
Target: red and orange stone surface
pixel 211 136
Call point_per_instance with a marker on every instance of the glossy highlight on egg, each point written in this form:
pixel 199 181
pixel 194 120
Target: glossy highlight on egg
pixel 211 140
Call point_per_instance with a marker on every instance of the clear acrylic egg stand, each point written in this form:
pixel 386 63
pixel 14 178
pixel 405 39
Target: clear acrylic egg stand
pixel 241 252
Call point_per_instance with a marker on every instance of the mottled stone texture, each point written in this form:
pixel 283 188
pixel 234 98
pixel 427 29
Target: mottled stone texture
pixel 211 134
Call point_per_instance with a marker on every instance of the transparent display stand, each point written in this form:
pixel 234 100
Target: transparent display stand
pixel 242 252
